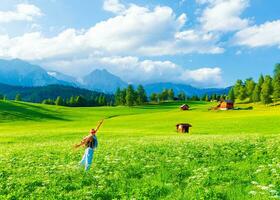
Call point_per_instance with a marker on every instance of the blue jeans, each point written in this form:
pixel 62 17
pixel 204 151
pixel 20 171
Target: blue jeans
pixel 87 158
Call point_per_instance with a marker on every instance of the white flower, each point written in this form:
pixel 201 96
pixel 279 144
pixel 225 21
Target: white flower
pixel 254 182
pixel 252 192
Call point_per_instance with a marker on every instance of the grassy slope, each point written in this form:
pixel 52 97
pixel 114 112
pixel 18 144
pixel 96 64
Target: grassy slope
pixel 140 154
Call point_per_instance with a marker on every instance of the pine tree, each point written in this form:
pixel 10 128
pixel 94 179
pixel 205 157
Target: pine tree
pixel 182 96
pixel 80 101
pixel 237 87
pixel 118 99
pixel 256 94
pixel 130 96
pixel 266 90
pixel 276 83
pixel 141 95
pixel 72 101
pixel 170 94
pixel 164 95
pixel 18 97
pixel 59 101
pixel 250 86
pixel 261 80
pixel 154 97
pixel 242 93
pixel 123 97
pixel 231 95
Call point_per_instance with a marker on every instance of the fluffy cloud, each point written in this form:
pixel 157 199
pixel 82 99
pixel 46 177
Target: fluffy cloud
pixel 114 6
pixel 117 43
pixel 223 15
pixel 23 12
pixel 138 31
pixel 266 34
pixel 134 70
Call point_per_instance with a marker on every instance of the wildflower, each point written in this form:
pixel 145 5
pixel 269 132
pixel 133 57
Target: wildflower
pixel 252 192
pixel 254 182
pixel 273 191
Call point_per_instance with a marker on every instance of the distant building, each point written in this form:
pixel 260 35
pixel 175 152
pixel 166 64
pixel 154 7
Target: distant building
pixel 183 128
pixel 184 107
pixel 226 105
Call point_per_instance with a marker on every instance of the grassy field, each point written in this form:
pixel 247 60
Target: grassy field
pixel 228 154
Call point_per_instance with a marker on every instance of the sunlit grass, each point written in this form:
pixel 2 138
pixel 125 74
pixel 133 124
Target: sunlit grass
pixel 227 155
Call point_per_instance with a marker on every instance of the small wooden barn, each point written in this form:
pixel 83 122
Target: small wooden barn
pixel 226 105
pixel 184 107
pixel 183 127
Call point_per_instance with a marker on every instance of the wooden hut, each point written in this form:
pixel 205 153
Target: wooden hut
pixel 226 105
pixel 184 107
pixel 183 127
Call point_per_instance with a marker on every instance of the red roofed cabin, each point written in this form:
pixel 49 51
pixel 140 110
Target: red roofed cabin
pixel 226 105
pixel 184 107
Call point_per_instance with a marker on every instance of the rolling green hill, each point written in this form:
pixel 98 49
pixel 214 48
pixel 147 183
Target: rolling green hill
pixel 227 155
pixel 38 94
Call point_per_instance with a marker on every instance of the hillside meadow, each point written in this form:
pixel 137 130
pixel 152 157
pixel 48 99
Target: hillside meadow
pixel 227 155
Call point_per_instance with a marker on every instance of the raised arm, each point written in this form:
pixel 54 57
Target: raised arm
pixel 98 126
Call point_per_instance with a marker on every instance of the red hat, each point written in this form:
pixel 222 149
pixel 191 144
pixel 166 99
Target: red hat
pixel 92 131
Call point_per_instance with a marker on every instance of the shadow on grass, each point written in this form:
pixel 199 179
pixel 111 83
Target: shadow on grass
pixel 22 111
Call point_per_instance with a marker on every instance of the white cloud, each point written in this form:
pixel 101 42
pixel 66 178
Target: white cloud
pixel 223 15
pixel 134 70
pixel 117 43
pixel 204 76
pixel 138 31
pixel 23 12
pixel 267 34
pixel 114 6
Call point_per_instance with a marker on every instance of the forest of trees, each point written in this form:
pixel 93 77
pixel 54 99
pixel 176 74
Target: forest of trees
pixel 129 96
pixel 168 94
pixel 80 101
pixel 266 90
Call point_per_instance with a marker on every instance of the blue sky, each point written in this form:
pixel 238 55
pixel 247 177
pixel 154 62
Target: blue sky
pixel 206 43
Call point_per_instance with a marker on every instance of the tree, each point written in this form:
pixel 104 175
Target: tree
pixel 266 90
pixel 18 97
pixel 59 101
pixel 123 97
pixel 170 94
pixel 261 80
pixel 182 96
pixel 80 101
pixel 256 94
pixel 5 98
pixel 164 95
pixel 118 96
pixel 206 98
pixel 231 95
pixel 72 101
pixel 237 88
pixel 242 93
pixel 141 95
pixel 102 100
pixel 250 86
pixel 130 96
pixel 154 97
pixel 48 102
pixel 276 83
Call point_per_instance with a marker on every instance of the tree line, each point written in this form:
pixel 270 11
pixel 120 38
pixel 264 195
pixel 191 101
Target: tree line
pixel 129 96
pixel 266 90
pixel 80 101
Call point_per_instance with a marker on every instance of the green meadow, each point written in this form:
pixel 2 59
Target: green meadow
pixel 227 154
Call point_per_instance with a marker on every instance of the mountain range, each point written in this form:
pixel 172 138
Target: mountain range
pixel 21 73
